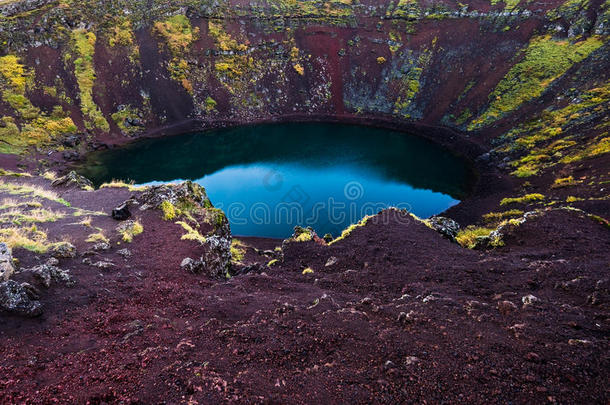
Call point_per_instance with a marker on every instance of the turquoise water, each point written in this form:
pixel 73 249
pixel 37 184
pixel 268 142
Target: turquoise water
pixel 269 178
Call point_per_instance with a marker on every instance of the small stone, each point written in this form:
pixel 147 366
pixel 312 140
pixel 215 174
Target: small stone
pixel 191 265
pixel 331 261
pixel 506 307
pixel 121 213
pixel 6 262
pixel 101 246
pixel 126 253
pixel 409 360
pixel 529 300
pixel 405 318
pixel 103 264
pixel 581 342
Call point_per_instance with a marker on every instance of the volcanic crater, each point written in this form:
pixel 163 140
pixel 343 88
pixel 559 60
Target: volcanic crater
pixel 120 291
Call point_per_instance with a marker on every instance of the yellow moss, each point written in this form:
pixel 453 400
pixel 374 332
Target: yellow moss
pixel 381 60
pixel 129 229
pixel 238 251
pixel 177 33
pixel 351 228
pixel 523 199
pixel 499 216
pixel 564 182
pixel 97 238
pixel 545 60
pixel 272 262
pixel 308 270
pixel 299 69
pixel 13 72
pixel 597 148
pixel 169 211
pixel 468 236
pixel 191 233
pixel 304 237
pixel 84 47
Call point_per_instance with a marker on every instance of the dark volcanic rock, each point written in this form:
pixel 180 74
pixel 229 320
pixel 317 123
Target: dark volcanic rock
pixel 154 196
pixel 73 179
pixel 14 298
pixel 445 226
pixel 6 262
pixel 121 213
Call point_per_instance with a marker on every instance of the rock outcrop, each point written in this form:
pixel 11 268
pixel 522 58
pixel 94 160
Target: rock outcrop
pixel 7 267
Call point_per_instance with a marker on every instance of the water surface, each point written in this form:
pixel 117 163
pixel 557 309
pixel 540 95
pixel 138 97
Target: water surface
pixel 269 178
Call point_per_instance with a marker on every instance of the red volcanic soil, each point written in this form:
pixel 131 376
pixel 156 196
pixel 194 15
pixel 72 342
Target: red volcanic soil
pixel 402 315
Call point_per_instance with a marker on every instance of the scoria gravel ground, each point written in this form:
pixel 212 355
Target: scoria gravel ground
pixel 403 316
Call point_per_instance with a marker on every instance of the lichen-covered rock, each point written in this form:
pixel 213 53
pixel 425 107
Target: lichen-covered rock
pixel 216 260
pixel 445 226
pixel 73 179
pixel 192 266
pixel 64 250
pixel 187 191
pixel 6 262
pixel 301 234
pixel 16 299
pixel 45 273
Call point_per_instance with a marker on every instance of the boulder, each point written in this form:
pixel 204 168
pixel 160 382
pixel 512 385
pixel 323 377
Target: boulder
pixel 121 213
pixel 64 250
pixel 17 299
pixel 73 179
pixel 71 141
pixel 445 226
pixel 187 191
pixel 6 262
pixel 45 273
pixel 216 260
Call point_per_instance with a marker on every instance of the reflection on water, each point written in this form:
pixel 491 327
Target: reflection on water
pixel 269 178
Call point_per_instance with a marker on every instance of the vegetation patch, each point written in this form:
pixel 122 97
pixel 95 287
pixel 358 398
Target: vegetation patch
pixel 34 191
pixel 191 233
pixel 347 231
pixel 238 251
pixel 528 198
pixel 545 60
pixel 545 141
pixel 468 237
pixel 178 35
pixel 84 48
pixel 37 127
pixel 126 119
pixel 22 216
pixel 129 229
pixel 30 238
pixel 97 237
pixel 495 217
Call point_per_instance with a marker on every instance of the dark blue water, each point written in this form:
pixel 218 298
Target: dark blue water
pixel 269 178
